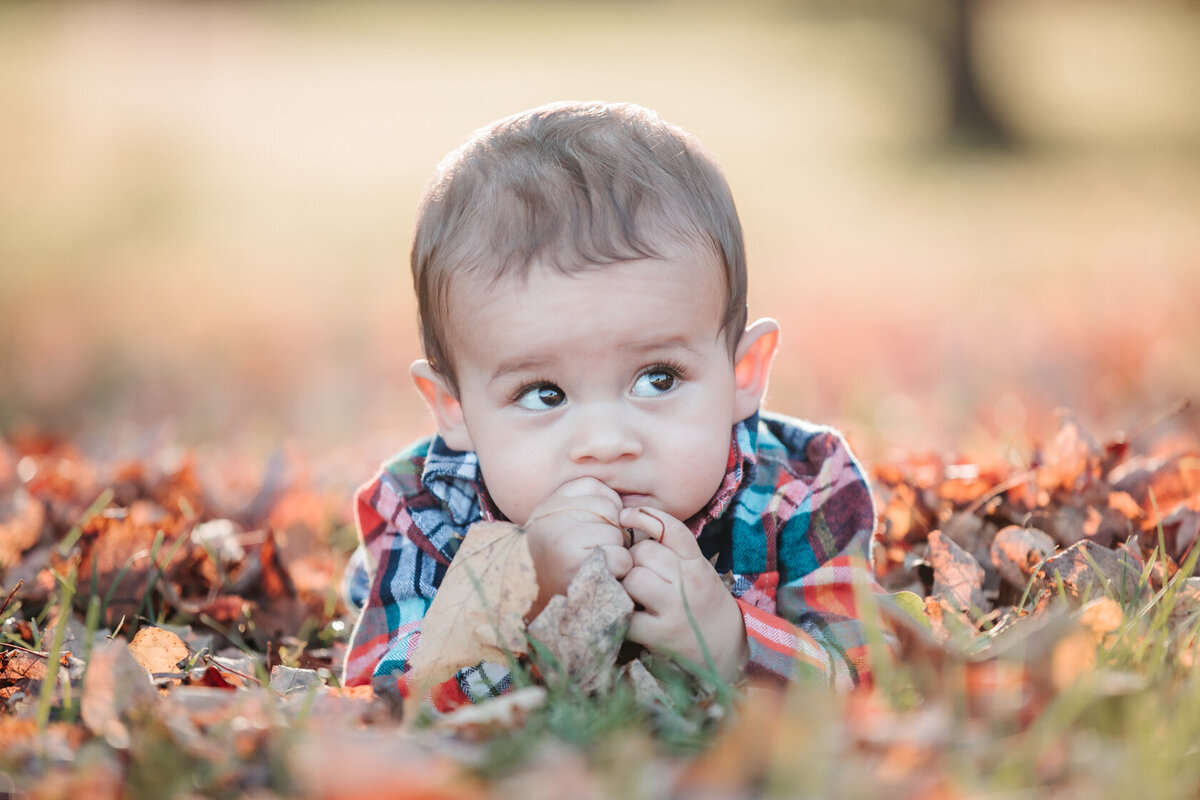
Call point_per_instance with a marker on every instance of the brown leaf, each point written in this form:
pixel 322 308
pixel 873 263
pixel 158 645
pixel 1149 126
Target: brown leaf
pixel 117 550
pixel 584 629
pixel 227 609
pixel 1073 657
pixel 20 671
pixel 957 576
pixel 1070 459
pixel 1181 528
pixel 1016 551
pixel 1158 484
pixel 158 650
pixel 478 613
pixel 21 518
pixel 1089 571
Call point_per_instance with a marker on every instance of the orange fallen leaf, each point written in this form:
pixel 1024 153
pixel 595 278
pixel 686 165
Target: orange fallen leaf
pixel 158 650
pixel 21 518
pixel 1102 616
pixel 1073 657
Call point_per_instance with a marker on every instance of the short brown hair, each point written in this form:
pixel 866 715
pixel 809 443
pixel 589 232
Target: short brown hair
pixel 570 185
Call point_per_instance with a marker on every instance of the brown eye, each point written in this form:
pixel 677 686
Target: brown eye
pixel 541 397
pixel 654 382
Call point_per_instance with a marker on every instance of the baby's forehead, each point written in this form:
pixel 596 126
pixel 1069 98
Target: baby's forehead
pixel 481 284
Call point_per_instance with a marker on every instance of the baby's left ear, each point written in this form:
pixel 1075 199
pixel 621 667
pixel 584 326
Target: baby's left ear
pixel 752 366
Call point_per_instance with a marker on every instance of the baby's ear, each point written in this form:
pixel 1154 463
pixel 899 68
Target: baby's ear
pixel 752 366
pixel 443 404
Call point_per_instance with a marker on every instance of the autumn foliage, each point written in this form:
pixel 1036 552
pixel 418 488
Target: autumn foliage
pixel 170 629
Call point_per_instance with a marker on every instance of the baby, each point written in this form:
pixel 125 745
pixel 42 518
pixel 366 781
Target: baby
pixel 581 284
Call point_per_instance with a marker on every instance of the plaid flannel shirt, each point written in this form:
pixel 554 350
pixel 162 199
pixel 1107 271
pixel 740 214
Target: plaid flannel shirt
pixel 790 527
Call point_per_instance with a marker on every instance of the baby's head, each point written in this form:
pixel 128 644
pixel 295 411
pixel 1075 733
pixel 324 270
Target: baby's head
pixel 581 283
pixel 571 186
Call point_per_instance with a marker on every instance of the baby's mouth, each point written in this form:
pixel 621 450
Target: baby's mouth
pixel 633 499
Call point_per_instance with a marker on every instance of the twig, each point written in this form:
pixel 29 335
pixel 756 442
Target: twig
pixel 999 489
pixel 1173 410
pixel 23 648
pixel 11 595
pixel 210 661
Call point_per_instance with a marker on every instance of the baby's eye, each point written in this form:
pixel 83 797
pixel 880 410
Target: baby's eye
pixel 541 396
pixel 654 381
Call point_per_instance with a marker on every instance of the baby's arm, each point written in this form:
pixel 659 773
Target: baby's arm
pixel 686 608
pixel 404 575
pixel 823 522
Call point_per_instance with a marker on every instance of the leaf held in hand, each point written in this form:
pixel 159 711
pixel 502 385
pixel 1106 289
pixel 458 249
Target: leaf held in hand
pixel 584 630
pixel 479 610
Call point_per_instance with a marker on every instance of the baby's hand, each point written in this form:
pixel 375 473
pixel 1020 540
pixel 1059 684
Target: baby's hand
pixel 566 527
pixel 667 566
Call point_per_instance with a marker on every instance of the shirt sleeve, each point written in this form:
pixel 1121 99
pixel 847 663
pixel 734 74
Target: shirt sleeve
pixel 402 576
pixel 824 520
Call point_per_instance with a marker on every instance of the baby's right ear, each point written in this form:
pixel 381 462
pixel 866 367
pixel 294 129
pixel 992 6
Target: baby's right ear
pixel 443 404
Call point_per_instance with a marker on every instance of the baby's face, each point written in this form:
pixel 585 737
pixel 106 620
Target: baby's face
pixel 621 374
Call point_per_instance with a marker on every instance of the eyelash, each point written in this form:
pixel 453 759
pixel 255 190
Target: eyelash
pixel 673 367
pixel 524 389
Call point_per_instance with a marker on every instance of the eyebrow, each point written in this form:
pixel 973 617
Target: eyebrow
pixel 524 365
pixel 636 347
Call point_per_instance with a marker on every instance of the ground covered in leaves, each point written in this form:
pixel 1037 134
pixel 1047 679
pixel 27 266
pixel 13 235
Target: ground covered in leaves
pixel 171 627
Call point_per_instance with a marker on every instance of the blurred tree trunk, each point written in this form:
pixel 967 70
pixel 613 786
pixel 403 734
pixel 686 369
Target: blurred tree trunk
pixel 972 117
pixel 952 28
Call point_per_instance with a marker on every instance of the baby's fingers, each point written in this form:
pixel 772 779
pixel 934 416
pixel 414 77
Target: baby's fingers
pixel 618 560
pixel 661 527
pixel 581 509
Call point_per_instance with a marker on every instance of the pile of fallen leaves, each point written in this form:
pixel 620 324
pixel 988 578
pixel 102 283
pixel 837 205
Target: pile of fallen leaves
pixel 172 627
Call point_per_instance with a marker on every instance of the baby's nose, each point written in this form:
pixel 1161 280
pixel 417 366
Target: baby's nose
pixel 604 435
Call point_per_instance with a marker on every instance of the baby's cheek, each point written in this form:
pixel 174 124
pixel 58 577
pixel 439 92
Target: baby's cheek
pixel 513 487
pixel 700 465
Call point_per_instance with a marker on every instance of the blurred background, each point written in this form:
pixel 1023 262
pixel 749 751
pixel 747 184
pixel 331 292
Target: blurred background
pixel 964 214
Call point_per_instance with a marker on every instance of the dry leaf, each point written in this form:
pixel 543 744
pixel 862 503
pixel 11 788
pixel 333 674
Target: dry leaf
pixel 1069 458
pixel 289 680
pixel 494 716
pixel 584 630
pixel 158 650
pixel 957 576
pixel 1016 551
pixel 646 688
pixel 479 611
pixel 1102 617
pixel 1089 571
pixel 21 518
pixel 1073 657
pixel 20 671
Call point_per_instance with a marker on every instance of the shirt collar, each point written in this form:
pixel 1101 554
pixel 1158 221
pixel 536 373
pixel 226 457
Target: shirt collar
pixel 740 469
pixel 453 477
